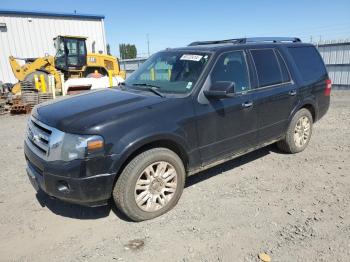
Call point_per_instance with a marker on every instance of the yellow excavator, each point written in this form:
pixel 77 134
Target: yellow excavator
pixel 71 61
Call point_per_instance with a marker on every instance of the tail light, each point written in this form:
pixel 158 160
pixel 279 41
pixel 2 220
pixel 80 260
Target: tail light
pixel 327 91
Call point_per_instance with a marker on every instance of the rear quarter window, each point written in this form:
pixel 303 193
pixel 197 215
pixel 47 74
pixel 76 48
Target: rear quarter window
pixel 309 63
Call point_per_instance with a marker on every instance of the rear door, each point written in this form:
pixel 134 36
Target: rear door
pixel 276 95
pixel 228 125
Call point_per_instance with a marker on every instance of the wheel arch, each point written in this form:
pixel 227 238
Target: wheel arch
pixel 308 104
pixel 311 108
pixel 170 143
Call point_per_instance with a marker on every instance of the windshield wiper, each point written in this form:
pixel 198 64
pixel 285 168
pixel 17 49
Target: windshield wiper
pixel 151 88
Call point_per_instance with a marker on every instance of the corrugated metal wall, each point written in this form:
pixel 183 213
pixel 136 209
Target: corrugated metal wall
pixel 336 56
pixel 130 65
pixel 32 36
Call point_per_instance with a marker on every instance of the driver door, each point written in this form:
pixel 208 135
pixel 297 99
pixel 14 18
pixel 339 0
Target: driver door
pixel 227 126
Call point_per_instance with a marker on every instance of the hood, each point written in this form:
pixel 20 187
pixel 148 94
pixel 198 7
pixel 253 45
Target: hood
pixel 86 112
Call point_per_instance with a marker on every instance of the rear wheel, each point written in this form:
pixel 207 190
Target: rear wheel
pixel 298 134
pixel 150 185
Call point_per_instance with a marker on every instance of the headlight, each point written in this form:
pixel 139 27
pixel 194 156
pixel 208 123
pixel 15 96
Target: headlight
pixel 78 146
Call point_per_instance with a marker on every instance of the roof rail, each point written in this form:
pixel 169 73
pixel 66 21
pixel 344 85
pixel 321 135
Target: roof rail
pixel 272 39
pixel 233 41
pixel 248 40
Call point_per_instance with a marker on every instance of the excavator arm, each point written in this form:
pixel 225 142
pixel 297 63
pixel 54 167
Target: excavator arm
pixel 46 64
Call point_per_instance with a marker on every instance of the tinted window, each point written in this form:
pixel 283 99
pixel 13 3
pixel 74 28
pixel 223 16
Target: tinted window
pixel 267 67
pixel 283 67
pixel 309 63
pixel 232 67
pixel 169 71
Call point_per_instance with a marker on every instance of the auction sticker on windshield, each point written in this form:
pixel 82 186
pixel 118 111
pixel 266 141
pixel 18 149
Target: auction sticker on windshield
pixel 191 57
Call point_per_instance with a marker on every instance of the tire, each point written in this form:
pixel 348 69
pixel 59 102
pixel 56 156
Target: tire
pixel 291 143
pixel 156 165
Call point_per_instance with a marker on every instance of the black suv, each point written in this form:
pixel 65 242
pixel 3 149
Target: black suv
pixel 184 110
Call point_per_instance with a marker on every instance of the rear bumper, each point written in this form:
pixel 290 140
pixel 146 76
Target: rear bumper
pixel 77 181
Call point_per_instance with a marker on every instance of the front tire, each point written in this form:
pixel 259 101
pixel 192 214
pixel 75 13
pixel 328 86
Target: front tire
pixel 150 185
pixel 298 134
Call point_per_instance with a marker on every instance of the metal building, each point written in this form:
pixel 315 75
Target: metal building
pixel 336 55
pixel 130 65
pixel 30 34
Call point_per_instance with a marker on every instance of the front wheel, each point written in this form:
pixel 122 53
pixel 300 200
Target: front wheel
pixel 150 185
pixel 298 134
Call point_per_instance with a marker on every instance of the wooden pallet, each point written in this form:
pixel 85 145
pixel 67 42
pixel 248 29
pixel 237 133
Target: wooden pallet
pixel 27 85
pixel 30 97
pixel 44 97
pixel 15 101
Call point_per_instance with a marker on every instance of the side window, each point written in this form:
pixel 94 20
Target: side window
pixel 82 50
pixel 309 63
pixel 267 67
pixel 232 67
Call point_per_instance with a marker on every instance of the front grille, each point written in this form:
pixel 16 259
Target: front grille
pixel 39 135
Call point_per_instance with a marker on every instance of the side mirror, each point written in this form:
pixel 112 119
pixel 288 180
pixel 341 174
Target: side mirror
pixel 220 90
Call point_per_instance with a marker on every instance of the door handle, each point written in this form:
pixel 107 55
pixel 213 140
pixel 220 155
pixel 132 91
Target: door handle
pixel 292 92
pixel 247 104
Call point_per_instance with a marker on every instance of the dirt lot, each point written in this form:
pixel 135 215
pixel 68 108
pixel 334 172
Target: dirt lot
pixel 293 207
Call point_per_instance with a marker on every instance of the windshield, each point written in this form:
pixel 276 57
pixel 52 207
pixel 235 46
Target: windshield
pixel 170 71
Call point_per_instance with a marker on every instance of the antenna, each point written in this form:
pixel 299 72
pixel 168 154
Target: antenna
pixel 147 36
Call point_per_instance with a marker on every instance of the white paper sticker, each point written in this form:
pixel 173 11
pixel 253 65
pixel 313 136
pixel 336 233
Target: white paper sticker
pixel 189 85
pixel 191 57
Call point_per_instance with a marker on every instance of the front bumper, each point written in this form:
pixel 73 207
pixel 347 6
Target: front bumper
pixel 84 182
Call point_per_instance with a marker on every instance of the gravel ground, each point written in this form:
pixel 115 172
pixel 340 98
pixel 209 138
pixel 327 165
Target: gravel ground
pixel 292 207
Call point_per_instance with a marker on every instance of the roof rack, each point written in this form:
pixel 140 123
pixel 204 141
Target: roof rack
pixel 248 40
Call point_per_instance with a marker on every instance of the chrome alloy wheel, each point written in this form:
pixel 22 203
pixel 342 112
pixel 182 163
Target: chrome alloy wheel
pixel 302 131
pixel 155 186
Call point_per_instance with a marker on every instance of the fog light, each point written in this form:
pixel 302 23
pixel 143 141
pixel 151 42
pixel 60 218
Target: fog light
pixel 63 187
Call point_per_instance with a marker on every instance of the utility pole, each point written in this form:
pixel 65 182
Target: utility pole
pixel 147 36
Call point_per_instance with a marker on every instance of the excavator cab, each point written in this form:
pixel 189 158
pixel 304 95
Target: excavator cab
pixel 71 59
pixel 71 53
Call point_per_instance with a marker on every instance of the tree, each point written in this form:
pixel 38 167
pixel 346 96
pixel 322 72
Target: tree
pixel 127 51
pixel 108 49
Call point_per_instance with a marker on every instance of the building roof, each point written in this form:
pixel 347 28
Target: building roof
pixel 51 14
